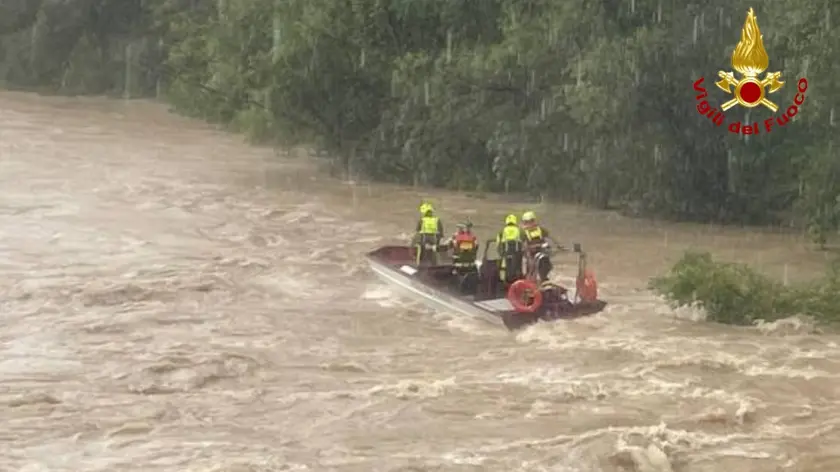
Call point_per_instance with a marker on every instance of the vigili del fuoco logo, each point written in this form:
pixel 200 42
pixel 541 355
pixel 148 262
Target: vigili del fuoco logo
pixel 750 60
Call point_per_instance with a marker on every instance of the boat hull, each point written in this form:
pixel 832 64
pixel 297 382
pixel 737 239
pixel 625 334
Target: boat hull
pixel 431 297
pixel 393 265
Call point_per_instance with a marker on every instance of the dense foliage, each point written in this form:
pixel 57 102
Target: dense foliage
pixel 735 294
pixel 589 101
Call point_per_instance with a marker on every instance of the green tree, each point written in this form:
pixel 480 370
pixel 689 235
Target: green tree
pixel 578 100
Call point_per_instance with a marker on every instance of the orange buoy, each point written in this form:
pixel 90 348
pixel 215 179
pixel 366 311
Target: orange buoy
pixel 587 287
pixel 525 296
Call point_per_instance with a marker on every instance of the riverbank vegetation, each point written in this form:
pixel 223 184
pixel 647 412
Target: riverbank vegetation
pixel 583 101
pixel 736 294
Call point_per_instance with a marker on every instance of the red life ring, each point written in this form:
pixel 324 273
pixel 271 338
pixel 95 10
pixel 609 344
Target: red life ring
pixel 525 296
pixel 587 287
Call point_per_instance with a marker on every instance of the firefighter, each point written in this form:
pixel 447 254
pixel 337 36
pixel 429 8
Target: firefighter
pixel 536 239
pixel 509 243
pixel 428 234
pixel 464 246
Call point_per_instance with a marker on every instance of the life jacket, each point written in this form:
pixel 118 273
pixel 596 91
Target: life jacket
pixel 429 225
pixel 534 236
pixel 464 242
pixel 464 249
pixel 510 239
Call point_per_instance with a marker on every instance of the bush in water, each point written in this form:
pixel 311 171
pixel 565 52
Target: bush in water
pixel 736 294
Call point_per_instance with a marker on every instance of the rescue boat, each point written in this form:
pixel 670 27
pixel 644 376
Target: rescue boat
pixel 481 293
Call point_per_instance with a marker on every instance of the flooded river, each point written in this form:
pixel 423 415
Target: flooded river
pixel 174 300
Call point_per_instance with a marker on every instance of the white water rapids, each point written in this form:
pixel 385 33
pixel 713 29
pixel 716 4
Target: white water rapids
pixel 175 300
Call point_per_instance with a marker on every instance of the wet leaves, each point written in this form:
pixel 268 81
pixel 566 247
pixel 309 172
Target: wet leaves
pixel 736 294
pixel 577 100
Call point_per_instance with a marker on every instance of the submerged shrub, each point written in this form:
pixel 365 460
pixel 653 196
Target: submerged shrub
pixel 736 294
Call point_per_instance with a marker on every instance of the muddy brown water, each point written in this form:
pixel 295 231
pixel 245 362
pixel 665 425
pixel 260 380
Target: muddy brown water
pixel 175 300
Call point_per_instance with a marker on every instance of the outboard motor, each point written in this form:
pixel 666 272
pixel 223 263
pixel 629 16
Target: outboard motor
pixel 556 301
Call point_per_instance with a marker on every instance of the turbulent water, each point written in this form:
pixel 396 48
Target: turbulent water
pixel 175 300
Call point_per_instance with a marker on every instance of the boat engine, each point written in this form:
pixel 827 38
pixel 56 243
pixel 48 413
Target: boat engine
pixel 556 301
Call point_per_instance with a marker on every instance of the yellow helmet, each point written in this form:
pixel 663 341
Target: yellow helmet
pixel 529 216
pixel 425 208
pixel 510 220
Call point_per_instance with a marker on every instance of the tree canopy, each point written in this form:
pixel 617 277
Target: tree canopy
pixel 586 101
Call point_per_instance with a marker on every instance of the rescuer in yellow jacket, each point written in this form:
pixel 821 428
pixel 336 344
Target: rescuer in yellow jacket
pixel 510 245
pixel 536 239
pixel 534 234
pixel 428 234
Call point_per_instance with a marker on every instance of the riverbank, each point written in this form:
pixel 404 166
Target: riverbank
pixel 496 96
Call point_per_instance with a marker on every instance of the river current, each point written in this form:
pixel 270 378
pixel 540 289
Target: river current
pixel 176 300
